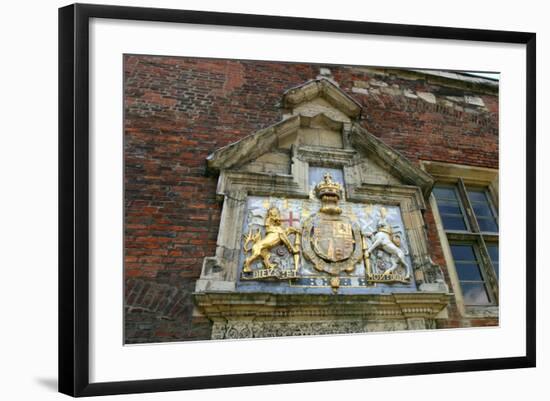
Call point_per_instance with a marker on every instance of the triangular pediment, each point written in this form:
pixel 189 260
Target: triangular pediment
pixel 319 132
pixel 321 96
pixel 296 131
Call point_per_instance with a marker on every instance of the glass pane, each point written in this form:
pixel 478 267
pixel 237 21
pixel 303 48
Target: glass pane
pixel 495 265
pixel 453 223
pixel 444 193
pixel 463 253
pixel 451 213
pixel 487 225
pixel 482 210
pixel 477 195
pixel 468 271
pixel 450 209
pixel 493 252
pixel 474 293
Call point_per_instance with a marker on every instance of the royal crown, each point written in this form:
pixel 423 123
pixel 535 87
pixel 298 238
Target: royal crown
pixel 328 187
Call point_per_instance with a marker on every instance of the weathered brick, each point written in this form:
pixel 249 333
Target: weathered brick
pixel 178 110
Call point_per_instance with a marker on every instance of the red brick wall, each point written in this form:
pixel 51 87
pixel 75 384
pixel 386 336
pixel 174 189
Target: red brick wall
pixel 179 110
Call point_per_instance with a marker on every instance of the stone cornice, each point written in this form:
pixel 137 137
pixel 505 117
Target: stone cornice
pixel 449 79
pixel 262 141
pixel 260 184
pixel 251 146
pixel 222 306
pixel 320 156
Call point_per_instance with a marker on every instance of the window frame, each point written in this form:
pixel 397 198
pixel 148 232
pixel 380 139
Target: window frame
pixel 490 203
pixel 465 216
pixel 493 300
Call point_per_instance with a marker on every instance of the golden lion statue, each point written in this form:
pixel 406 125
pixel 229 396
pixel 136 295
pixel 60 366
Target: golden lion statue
pixel 274 235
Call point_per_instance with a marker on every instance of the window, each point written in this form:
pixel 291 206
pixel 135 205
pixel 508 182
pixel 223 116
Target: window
pixel 450 208
pixel 470 274
pixel 470 222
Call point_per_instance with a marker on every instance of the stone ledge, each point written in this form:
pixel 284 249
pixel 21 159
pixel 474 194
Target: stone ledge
pixel 256 315
pixel 229 306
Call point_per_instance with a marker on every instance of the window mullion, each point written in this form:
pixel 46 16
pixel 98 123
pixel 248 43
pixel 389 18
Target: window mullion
pixel 474 227
pixel 462 237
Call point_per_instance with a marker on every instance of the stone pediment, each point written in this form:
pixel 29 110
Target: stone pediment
pixel 296 131
pixel 319 138
pixel 321 95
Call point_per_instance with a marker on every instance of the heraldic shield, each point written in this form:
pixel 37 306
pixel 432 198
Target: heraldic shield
pixel 332 239
pixel 332 243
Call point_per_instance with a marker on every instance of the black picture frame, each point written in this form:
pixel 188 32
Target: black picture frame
pixel 74 194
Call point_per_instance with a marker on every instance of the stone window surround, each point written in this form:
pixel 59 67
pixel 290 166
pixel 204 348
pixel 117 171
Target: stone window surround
pixel 448 173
